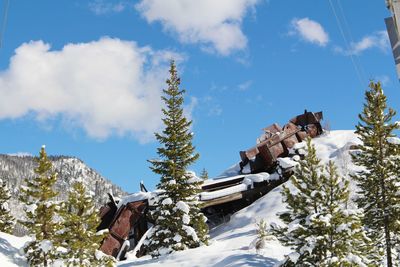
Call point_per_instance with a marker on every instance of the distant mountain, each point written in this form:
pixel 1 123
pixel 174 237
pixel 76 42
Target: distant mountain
pixel 15 168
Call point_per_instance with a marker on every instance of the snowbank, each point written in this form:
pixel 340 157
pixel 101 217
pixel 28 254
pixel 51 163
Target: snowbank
pixel 230 242
pixel 10 254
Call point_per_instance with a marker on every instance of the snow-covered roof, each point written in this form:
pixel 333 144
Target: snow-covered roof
pixel 218 180
pixel 134 197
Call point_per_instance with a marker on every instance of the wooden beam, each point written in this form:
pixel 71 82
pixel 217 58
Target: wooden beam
pixel 221 200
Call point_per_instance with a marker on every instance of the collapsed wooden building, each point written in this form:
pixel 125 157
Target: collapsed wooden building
pixel 261 169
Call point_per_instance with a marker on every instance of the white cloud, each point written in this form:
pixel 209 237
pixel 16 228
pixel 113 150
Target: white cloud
pixel 101 7
pixel 245 85
pixel 378 40
pixel 310 31
pixel 106 87
pixel 215 25
pixel 383 79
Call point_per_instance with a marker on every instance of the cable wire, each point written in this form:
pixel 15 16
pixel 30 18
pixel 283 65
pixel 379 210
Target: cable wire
pixel 346 24
pixel 6 4
pixel 346 43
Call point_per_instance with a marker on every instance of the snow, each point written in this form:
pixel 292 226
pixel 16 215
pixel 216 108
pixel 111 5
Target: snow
pixel 287 163
pixel 221 179
pixel 230 242
pixel 248 180
pixel 166 201
pixel 183 207
pixel 394 140
pixel 46 245
pixel 193 177
pixel 259 177
pixel 31 208
pixel 10 250
pixel 299 145
pixel 223 192
pixel 185 219
pixel 294 256
pixel 102 232
pixel 134 197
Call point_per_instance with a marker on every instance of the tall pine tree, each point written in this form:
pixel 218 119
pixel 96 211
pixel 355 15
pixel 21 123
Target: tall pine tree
pixel 179 224
pixel 6 220
pixel 41 210
pixel 319 227
pixel 79 234
pixel 379 179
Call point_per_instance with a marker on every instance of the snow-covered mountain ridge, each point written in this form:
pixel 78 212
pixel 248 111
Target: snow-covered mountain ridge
pixel 14 169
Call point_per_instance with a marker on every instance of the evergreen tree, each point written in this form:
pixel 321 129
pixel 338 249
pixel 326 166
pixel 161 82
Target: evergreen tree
pixel 204 174
pixel 263 234
pixel 6 220
pixel 79 235
pixel 321 230
pixel 379 179
pixel 179 224
pixel 41 211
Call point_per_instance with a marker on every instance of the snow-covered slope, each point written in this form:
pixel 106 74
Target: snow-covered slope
pixel 230 242
pixel 10 250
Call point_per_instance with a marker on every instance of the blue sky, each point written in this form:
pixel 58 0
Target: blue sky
pixel 84 77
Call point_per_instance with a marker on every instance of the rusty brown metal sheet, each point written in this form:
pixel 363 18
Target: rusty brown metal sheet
pixel 252 152
pixel 290 139
pixel 302 136
pixel 126 218
pixel 272 129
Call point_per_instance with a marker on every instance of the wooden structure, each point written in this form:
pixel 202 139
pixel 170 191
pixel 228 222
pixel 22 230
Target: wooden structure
pixel 277 141
pixel 127 224
pixel 127 221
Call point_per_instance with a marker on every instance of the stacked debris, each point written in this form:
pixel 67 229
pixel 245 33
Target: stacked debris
pixel 262 168
pixel 278 141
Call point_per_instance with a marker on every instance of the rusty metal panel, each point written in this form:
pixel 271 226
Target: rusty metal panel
pixel 289 135
pixel 319 116
pixel 312 130
pixel 274 128
pixel 269 132
pixel 277 151
pixel 243 156
pixel 271 151
pixel 111 246
pixel 290 128
pixel 290 141
pixel 125 220
pixel 258 165
pixel 301 136
pixel 307 118
pixel 266 154
pixel 252 152
pixel 122 225
pixel 277 141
